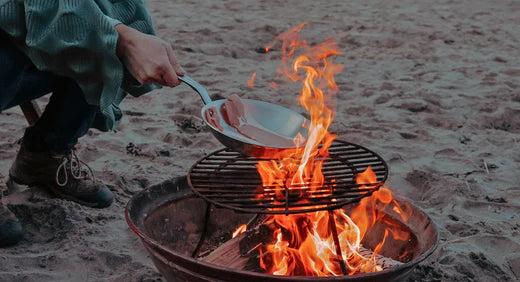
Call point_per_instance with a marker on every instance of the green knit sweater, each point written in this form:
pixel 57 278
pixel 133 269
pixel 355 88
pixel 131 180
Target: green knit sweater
pixel 73 38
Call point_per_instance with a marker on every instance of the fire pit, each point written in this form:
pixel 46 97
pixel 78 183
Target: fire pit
pixel 175 226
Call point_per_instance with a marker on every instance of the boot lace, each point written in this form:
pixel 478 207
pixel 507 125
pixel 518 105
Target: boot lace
pixel 76 167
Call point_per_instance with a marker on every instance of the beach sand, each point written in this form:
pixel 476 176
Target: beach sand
pixel 434 88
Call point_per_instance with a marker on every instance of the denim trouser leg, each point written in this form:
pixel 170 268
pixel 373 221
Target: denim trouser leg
pixel 67 116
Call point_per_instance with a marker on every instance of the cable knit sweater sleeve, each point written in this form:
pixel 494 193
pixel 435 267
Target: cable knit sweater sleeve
pixel 73 38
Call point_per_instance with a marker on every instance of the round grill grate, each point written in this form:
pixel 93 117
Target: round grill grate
pixel 230 180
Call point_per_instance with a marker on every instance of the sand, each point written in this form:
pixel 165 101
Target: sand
pixel 432 87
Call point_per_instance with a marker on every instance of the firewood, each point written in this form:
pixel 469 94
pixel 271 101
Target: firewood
pixel 381 260
pixel 242 253
pixel 228 254
pixel 261 234
pixel 237 252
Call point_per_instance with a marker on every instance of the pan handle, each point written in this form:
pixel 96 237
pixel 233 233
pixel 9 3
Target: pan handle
pixel 197 87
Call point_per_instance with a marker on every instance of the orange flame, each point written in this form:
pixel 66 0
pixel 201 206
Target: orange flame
pixel 303 243
pixel 251 81
pixel 300 169
pixel 241 229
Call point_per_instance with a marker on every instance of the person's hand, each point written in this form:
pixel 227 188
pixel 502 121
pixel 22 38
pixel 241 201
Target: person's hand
pixel 148 58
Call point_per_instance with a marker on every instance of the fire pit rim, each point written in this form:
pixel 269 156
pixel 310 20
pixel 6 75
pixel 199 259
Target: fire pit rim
pixel 189 194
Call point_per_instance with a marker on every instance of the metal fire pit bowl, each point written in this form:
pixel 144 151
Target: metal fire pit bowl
pixel 169 219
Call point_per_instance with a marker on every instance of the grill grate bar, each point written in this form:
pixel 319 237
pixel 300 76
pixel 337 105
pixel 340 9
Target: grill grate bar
pixel 282 208
pixel 327 162
pixel 343 173
pixel 238 171
pixel 229 181
pixel 249 161
pixel 251 194
pixel 275 204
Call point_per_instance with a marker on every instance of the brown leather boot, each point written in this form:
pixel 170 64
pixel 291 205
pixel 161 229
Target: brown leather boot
pixel 62 174
pixel 10 227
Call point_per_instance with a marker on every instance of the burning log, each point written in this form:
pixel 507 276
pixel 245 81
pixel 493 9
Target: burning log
pixel 238 252
pixel 242 253
pixel 229 255
pixel 381 260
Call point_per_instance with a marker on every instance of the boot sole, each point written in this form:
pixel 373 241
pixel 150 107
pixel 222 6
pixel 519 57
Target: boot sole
pixel 13 180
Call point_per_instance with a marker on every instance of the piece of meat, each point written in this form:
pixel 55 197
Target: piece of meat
pixel 239 107
pixel 212 118
pixel 233 113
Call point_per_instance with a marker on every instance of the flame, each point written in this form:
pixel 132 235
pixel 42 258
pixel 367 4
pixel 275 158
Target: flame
pixel 251 81
pixel 300 169
pixel 241 229
pixel 303 244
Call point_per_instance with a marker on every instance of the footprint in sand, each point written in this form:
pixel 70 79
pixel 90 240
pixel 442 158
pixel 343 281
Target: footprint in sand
pixel 43 221
pixel 508 120
pixel 493 211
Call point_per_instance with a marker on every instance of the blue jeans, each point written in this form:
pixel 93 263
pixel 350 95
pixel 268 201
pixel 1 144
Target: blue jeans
pixel 67 116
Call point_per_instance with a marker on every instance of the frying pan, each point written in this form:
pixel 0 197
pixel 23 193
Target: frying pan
pixel 273 118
